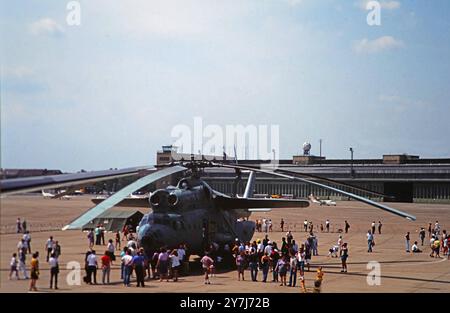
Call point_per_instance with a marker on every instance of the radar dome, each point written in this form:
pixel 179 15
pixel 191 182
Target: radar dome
pixel 306 148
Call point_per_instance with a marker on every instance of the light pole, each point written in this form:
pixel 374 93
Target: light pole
pixel 351 161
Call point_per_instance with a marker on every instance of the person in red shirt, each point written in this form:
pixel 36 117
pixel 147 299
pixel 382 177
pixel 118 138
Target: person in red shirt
pixel 106 267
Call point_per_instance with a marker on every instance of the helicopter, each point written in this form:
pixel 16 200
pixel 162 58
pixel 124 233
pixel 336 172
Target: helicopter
pixel 191 212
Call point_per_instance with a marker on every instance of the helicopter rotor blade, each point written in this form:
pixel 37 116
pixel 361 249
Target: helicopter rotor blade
pixel 120 195
pixel 348 194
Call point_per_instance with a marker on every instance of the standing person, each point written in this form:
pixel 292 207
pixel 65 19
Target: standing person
pixel 102 234
pixel 307 255
pixel 22 245
pixel 293 270
pixel 340 241
pixel 110 248
pixel 379 227
pixel 253 263
pixel 98 236
pixel 106 267
pixel 347 226
pixel 294 246
pixel 407 241
pixel 270 225
pixel 13 266
pixel 49 246
pixel 207 263
pixel 92 267
pixel 327 225
pixel 265 264
pixel 56 249
pixel 175 264
pixel 305 225
pixel 422 235
pixel 138 264
pixel 289 238
pixel 282 268
pixel 127 261
pixel 117 240
pixel 54 270
pixel 370 241
pixel 182 255
pixel 344 257
pixel 275 256
pixel 162 265
pixel 90 237
pixel 27 238
pixel 240 260
pixel 18 225
pixel 315 245
pixel 282 225
pixel 429 230
pixel 22 263
pixel 24 226
pixel 34 271
pixel 373 227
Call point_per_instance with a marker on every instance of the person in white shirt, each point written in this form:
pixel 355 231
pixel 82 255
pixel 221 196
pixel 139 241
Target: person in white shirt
pixel 111 249
pixel 327 225
pixel 22 245
pixel 49 246
pixel 54 270
pixel 22 264
pixel 415 248
pixel 127 260
pixel 92 267
pixel 340 241
pixel 268 248
pixel 13 265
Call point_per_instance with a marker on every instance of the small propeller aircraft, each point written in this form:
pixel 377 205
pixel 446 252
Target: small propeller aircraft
pixel 190 212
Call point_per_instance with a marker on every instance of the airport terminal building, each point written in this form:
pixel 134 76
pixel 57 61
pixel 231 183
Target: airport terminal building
pixel 407 178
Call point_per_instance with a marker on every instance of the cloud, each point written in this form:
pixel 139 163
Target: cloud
pixel 383 43
pixel 46 26
pixel 388 5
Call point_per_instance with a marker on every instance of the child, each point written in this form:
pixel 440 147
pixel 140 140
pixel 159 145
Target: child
pixel 240 265
pixel 333 251
pixel 318 281
pixel 14 266
pixel 207 262
pixel 302 283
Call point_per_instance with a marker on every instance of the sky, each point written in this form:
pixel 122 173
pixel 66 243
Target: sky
pixel 109 91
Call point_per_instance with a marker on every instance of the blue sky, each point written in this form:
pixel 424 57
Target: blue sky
pixel 108 92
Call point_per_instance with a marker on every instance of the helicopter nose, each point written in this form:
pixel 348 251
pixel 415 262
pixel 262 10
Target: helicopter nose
pixel 145 236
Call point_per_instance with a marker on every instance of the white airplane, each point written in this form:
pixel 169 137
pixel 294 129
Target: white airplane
pixel 48 195
pixel 321 202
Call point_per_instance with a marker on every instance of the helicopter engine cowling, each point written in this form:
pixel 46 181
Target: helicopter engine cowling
pixel 159 198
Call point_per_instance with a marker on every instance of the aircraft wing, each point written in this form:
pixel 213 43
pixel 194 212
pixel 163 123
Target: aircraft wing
pixel 275 172
pixel 116 198
pixel 228 203
pixel 20 185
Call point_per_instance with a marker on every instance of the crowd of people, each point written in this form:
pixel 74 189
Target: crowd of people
pixel 276 262
pixel 18 263
pixel 266 260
